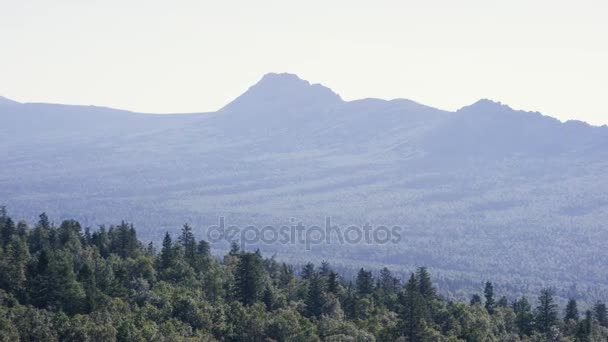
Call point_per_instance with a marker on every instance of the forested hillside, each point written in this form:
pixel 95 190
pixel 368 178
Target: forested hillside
pixel 483 192
pixel 66 283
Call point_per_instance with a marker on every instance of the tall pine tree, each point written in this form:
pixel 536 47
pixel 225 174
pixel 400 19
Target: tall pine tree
pixel 489 295
pixel 248 277
pixel 546 311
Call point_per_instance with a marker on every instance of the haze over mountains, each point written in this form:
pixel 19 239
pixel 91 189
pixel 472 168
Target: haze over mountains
pixel 517 192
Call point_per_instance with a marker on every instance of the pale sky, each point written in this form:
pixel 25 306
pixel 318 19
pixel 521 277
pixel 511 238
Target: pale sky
pixel 196 55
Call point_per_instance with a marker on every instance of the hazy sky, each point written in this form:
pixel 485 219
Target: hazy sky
pixel 197 55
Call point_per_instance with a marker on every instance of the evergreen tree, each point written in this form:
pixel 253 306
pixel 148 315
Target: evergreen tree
pixel 13 263
pixel 585 327
pixel 387 282
pixel 571 311
pixel 475 299
pixel 489 295
pixel 188 242
pixel 365 282
pixel 601 314
pixel 308 270
pixel 203 256
pixel 248 278
pixel 325 269
pixel 235 250
pixel 7 229
pixel 203 249
pixel 286 275
pixel 413 310
pixel 269 298
pixel 546 312
pixel 315 297
pixel 332 282
pixel 524 318
pixel 503 302
pixel 166 253
pixel 427 290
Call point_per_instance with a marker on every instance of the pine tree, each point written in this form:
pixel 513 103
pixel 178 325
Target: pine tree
pixel 13 261
pixel 235 250
pixel 524 318
pixel 386 281
pixel 188 241
pixel 203 256
pixel 585 327
pixel 475 299
pixel 413 310
pixel 269 298
pixel 248 277
pixel 427 290
pixel 365 282
pixel 325 269
pixel 308 270
pixel 571 311
pixel 286 275
pixel 166 253
pixel 503 302
pixel 332 282
pixel 546 312
pixel 601 314
pixel 489 295
pixel 315 297
pixel 7 229
pixel 203 249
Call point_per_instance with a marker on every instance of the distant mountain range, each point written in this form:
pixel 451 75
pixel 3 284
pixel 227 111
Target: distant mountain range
pixel 483 192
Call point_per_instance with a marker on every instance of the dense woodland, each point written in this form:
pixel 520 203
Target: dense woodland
pixel 66 283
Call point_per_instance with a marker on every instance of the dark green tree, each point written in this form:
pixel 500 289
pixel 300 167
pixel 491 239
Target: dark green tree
pixel 248 277
pixel 475 299
pixel 601 314
pixel 571 311
pixel 524 318
pixel 413 310
pixel 333 282
pixel 546 312
pixel 286 275
pixel 166 253
pixel 386 281
pixel 315 297
pixel 503 302
pixel 585 327
pixel 308 270
pixel 489 295
pixel 188 243
pixel 325 269
pixel 427 290
pixel 269 298
pixel 365 282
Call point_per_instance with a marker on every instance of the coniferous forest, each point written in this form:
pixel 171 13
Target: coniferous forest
pixel 66 283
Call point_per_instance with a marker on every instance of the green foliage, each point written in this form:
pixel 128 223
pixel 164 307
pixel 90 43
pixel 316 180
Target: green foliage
pixel 489 295
pixel 546 312
pixel 60 283
pixel 249 278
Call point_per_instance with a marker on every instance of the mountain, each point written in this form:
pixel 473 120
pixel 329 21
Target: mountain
pixel 4 102
pixel 486 191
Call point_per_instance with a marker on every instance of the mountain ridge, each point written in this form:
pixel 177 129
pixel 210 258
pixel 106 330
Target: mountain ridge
pixel 287 149
pixel 279 91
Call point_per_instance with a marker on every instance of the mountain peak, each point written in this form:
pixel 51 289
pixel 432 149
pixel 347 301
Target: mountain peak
pixel 282 92
pixel 7 102
pixel 486 105
pixel 281 77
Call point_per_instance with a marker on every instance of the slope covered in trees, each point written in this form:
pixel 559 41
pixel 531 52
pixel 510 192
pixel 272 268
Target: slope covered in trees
pixel 63 283
pixel 524 189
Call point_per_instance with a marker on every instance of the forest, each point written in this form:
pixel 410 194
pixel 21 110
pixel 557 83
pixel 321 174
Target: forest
pixel 65 283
